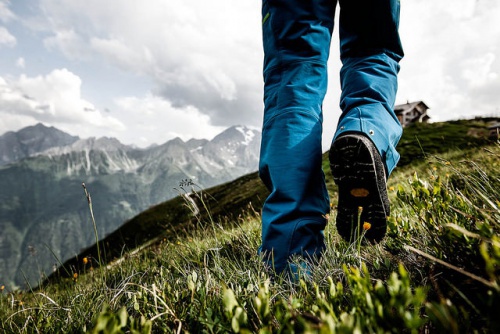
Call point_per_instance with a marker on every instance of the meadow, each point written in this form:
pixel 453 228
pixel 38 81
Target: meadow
pixel 438 269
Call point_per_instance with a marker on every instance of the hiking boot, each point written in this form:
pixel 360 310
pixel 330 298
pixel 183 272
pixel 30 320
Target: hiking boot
pixel 360 175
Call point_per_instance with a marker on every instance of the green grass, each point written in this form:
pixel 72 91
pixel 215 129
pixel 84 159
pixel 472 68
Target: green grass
pixel 421 139
pixel 438 269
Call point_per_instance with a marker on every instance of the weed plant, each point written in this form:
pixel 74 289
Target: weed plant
pixel 437 271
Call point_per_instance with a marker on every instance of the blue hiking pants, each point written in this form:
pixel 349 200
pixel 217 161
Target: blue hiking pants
pixel 296 38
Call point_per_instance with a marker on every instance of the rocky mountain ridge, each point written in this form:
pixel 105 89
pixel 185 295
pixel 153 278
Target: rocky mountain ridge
pixel 31 140
pixel 41 193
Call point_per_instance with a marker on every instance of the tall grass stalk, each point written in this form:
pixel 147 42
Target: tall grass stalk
pixel 89 201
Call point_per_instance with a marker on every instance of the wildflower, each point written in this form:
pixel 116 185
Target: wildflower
pixel 391 188
pixel 360 209
pixel 447 163
pixel 85 260
pixel 75 277
pixel 21 303
pixel 178 242
pixel 366 226
pixel 434 168
pixel 2 287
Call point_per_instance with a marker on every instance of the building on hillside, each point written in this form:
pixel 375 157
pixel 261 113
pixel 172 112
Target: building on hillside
pixel 412 112
pixel 494 131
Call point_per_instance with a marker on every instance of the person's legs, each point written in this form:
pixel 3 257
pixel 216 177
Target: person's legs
pixel 296 36
pixel 363 150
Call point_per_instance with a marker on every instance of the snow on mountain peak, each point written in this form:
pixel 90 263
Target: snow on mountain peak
pixel 248 134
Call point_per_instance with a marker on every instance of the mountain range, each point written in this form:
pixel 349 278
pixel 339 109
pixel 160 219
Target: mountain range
pixel 44 214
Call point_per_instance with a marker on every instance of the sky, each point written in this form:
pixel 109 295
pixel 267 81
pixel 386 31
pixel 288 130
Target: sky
pixel 147 71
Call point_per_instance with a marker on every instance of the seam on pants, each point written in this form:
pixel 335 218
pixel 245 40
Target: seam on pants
pixel 282 64
pixel 291 237
pixel 289 110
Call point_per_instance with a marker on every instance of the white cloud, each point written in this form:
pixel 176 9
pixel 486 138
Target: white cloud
pixel 6 38
pixel 208 55
pixel 451 57
pixel 5 13
pixel 202 60
pixel 20 62
pixel 151 119
pixel 120 53
pixel 54 99
pixel 201 54
pixel 69 43
pixel 478 70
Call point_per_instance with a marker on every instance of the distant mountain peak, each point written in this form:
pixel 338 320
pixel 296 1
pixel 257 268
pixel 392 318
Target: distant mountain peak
pixel 30 141
pixel 105 144
pixel 38 126
pixel 101 144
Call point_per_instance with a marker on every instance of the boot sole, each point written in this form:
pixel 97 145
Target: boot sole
pixel 359 173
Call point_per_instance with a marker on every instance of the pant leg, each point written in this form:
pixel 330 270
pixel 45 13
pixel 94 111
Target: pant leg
pixel 370 51
pixel 296 36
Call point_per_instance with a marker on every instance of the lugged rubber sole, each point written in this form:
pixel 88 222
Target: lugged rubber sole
pixel 359 172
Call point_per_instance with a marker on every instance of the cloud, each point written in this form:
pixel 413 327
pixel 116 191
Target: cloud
pixel 205 55
pixel 69 43
pixel 5 13
pixel 54 99
pixel 152 119
pixel 451 60
pixel 201 60
pixel 20 62
pixel 6 38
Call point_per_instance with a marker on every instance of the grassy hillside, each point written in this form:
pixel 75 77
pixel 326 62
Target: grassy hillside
pixel 438 269
pixel 421 139
pixel 172 219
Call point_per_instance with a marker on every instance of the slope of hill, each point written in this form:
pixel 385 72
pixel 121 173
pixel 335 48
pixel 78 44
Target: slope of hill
pixel 171 219
pixel 437 271
pixel 421 139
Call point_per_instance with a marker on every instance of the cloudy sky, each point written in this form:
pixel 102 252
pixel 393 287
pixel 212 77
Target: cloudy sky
pixel 146 71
